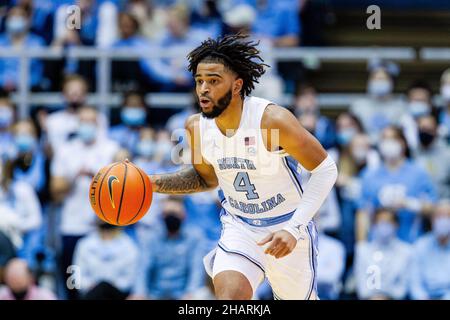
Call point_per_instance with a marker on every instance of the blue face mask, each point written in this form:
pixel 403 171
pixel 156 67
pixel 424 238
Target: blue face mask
pixel 132 116
pixel 16 25
pixel 146 148
pixel 6 117
pixel 25 143
pixel 345 136
pixel 418 109
pixel 441 227
pixel 383 232
pixel 87 132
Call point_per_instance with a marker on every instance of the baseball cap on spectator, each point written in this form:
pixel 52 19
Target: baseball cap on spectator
pixel 239 16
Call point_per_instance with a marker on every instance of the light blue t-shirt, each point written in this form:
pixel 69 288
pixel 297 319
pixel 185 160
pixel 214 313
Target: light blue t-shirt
pixel 381 186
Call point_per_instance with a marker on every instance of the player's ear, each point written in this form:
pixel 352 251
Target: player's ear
pixel 237 86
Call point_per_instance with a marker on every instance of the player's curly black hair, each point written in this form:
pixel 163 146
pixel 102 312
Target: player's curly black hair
pixel 242 57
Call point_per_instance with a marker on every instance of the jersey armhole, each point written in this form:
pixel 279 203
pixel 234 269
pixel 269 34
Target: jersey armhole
pixel 280 153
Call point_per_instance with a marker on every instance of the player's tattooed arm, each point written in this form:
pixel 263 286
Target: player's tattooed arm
pixel 185 181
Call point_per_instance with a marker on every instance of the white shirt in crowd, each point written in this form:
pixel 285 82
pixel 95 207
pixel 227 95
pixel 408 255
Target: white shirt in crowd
pixel 62 123
pixel 114 261
pixel 20 211
pixel 380 270
pixel 77 216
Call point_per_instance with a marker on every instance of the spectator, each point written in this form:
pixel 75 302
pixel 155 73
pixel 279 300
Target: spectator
pixel 133 116
pixel 419 104
pixel 20 210
pixel 381 262
pixel 206 16
pixel 7 115
pixel 18 36
pixel 29 165
pixel 433 154
pixel 41 17
pixel 73 168
pixel 20 284
pixel 145 151
pixel 430 278
pixel 380 108
pixel 347 126
pixel 62 125
pixel 165 152
pixel 398 183
pixel 306 102
pixel 171 266
pixel 444 115
pixel 108 259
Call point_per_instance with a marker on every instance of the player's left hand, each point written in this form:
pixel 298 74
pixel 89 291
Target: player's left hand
pixel 281 243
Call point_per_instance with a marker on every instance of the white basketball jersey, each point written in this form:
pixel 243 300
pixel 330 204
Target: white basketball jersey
pixel 254 183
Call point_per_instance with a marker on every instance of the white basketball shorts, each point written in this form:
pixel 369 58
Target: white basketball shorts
pixel 292 277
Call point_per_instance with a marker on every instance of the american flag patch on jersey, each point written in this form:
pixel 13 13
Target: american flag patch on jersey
pixel 249 141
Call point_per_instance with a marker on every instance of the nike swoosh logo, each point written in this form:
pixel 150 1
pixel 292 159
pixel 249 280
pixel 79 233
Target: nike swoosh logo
pixel 111 180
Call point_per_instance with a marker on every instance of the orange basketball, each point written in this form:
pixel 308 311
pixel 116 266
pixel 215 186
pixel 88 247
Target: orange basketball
pixel 120 193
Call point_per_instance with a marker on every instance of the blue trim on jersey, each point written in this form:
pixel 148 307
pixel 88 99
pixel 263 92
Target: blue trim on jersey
pixel 313 261
pixel 293 164
pixel 221 195
pixel 224 248
pixel 292 176
pixel 267 222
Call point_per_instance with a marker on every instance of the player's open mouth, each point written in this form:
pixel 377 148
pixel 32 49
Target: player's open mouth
pixel 204 102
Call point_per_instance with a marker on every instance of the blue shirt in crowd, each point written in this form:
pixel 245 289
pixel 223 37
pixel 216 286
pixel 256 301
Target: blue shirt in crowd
pixel 430 272
pixel 381 185
pixel 171 267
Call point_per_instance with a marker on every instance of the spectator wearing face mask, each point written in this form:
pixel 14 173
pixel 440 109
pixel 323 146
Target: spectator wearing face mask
pixel 306 102
pixel 61 125
pixel 74 165
pixel 380 262
pixel 20 284
pixel 430 278
pixel 419 104
pixel 444 114
pixel 29 165
pixel 133 116
pixel 380 108
pixel 17 36
pixel 7 115
pixel 398 183
pixel 433 154
pixel 172 265
pixel 108 259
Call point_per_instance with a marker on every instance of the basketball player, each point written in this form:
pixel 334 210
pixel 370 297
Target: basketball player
pixel 252 150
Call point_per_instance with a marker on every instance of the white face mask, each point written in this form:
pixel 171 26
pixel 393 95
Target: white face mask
pixel 379 88
pixel 445 92
pixel 359 154
pixel 390 149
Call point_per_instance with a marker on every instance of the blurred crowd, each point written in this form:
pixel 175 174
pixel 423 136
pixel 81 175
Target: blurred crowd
pixel 384 229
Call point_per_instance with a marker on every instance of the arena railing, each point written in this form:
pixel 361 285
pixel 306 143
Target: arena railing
pixel 104 97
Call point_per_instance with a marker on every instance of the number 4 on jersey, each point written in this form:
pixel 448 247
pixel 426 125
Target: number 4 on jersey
pixel 242 184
